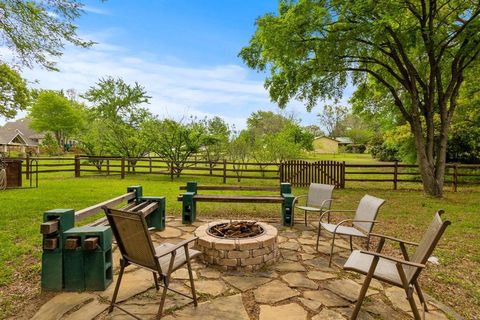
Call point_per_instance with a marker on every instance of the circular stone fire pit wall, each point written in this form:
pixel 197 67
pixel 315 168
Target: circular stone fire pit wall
pixel 246 254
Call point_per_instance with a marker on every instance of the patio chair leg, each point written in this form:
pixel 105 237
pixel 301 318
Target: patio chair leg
pixel 162 299
pixel 318 234
pixel 331 250
pixel 351 244
pixel 117 285
pixel 412 303
pixel 156 281
pixel 364 289
pixel 420 295
pixel 305 218
pixel 192 284
pixel 368 242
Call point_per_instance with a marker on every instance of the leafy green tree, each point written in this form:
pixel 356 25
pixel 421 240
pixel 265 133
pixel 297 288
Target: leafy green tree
pixel 35 32
pixel 50 146
pixel 117 105
pixel 174 140
pixel 93 141
pixel 215 140
pixel 115 99
pixel 331 119
pixel 239 150
pixel 14 94
pixel 416 54
pixel 52 112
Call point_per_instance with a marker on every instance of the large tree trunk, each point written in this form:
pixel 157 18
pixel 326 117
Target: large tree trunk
pixel 431 166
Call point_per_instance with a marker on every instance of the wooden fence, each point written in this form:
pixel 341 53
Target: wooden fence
pixel 298 172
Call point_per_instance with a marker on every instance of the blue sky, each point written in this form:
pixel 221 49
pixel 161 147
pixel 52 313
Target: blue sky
pixel 183 52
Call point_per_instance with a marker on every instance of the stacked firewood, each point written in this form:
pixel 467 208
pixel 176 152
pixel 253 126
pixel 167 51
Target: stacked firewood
pixel 236 229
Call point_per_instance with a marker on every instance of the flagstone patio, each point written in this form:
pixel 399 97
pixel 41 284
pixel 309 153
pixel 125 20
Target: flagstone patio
pixel 299 286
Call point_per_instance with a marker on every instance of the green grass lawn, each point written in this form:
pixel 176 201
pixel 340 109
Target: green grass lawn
pixel 405 214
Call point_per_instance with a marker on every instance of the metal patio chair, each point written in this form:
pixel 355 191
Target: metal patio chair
pixel 402 273
pixel 135 244
pixel 318 199
pixel 360 226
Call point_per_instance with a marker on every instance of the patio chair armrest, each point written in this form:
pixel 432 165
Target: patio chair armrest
pixel 295 200
pixel 176 247
pixel 325 202
pixel 405 262
pixel 329 211
pixel 393 239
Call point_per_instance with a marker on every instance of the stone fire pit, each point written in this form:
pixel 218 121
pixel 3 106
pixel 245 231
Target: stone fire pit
pixel 244 254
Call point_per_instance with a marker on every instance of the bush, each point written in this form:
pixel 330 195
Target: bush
pixel 355 148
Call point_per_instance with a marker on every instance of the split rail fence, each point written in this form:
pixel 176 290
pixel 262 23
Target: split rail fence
pixel 299 173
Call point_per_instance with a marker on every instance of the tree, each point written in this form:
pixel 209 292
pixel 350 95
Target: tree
pixel 215 139
pixel 52 112
pixel 115 99
pixel 117 105
pixel 331 118
pixel 34 32
pixel 13 92
pixel 174 140
pixel 415 53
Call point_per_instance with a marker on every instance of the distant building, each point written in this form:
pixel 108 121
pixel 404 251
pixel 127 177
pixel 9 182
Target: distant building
pixel 330 145
pixel 18 136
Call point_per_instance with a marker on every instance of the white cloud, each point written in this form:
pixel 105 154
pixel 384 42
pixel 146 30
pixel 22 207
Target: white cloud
pixel 177 90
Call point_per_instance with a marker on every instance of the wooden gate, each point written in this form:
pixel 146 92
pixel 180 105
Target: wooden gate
pixel 301 173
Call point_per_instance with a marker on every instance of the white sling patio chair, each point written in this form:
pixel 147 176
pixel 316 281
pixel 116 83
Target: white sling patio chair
pixel 402 273
pixel 318 199
pixel 360 226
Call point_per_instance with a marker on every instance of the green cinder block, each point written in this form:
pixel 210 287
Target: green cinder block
pixel 73 270
pixel 52 270
pixel 138 192
pixel 66 218
pixel 192 186
pixel 287 209
pixel 188 208
pixel 156 219
pixel 285 187
pixel 98 269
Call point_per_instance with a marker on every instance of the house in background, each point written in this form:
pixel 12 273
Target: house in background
pixel 18 136
pixel 325 144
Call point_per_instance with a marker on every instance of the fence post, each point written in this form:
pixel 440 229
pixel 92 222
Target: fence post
pixel 122 168
pixel 455 177
pixel 224 171
pixel 150 161
pixel 343 175
pixel 77 166
pixel 280 168
pixel 27 167
pixel 108 167
pixel 395 175
pixel 210 164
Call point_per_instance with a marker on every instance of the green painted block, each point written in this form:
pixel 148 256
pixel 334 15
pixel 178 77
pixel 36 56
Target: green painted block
pixel 188 208
pixel 285 187
pixel 66 218
pixel 138 192
pixel 98 269
pixel 192 186
pixel 73 270
pixel 52 270
pixel 287 209
pixel 156 219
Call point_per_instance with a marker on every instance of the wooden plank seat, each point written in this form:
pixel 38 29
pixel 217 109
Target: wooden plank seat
pixel 191 197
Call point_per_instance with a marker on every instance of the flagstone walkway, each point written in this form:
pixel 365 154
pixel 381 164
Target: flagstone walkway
pixel 299 286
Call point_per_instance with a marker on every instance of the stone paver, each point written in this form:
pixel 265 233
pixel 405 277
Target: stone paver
pixel 182 274
pixel 327 298
pixel 274 292
pixel 170 232
pixel 225 308
pixel 210 287
pixel 246 283
pixel 56 307
pixel 291 311
pixel 298 280
pixel 289 267
pixel 327 314
pixel 298 284
pixel 347 289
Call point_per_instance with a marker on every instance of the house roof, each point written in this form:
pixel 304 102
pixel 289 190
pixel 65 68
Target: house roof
pixel 344 140
pixel 325 137
pixel 20 128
